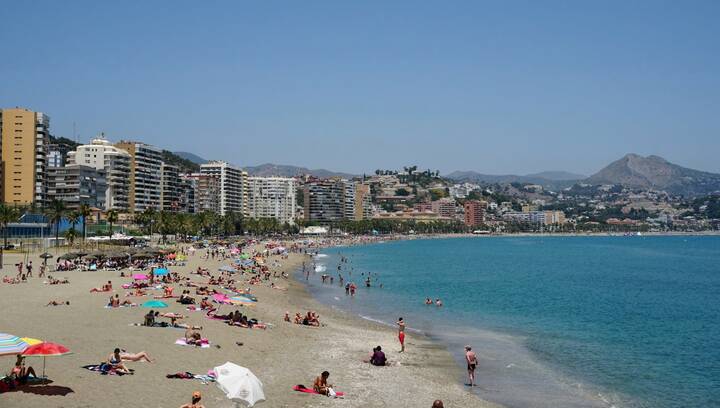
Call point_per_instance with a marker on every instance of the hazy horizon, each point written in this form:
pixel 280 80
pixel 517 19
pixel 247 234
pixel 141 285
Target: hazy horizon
pixel 495 88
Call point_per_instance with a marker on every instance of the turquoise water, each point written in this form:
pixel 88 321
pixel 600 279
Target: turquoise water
pixel 556 321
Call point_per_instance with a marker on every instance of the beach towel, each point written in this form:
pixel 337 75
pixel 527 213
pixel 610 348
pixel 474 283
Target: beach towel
pixel 160 325
pixel 301 388
pixel 190 376
pixel 204 343
pixel 110 307
pixel 104 369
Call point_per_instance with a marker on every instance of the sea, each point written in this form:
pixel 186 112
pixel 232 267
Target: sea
pixel 600 321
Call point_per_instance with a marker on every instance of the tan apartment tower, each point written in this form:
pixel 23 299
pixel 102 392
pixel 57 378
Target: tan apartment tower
pixel 25 137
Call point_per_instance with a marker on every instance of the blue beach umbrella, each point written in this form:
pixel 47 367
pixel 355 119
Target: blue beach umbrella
pixel 10 344
pixel 155 304
pixel 160 271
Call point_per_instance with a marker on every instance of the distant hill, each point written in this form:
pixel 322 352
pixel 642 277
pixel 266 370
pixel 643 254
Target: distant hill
pixel 269 169
pixel 557 175
pixel 191 157
pixel 654 172
pixel 548 179
pixel 185 165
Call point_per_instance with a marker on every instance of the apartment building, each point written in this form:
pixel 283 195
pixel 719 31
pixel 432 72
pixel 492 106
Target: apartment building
pixel 25 137
pixel 475 212
pixel 272 197
pixel 329 200
pixel 145 175
pixel 76 185
pixel 114 162
pixel 233 184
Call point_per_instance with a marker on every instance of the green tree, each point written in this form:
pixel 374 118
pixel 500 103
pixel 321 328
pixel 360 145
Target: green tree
pixel 8 215
pixel 85 212
pixel 55 213
pixel 112 217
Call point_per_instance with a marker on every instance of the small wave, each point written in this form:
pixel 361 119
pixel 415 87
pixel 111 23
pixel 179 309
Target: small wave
pixel 321 256
pixel 320 268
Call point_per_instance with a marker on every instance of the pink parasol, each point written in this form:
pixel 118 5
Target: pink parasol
pixel 139 276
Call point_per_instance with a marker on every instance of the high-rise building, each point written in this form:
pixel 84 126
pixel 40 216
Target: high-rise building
pixel 76 185
pixel 207 192
pixel 25 137
pixel 145 175
pixel 54 157
pixel 363 202
pixel 188 187
pixel 115 162
pixel 233 186
pixel 169 188
pixel 475 212
pixel 272 197
pixel 444 207
pixel 329 200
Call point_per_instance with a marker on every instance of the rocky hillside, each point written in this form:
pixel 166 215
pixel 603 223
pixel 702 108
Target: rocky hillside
pixel 654 172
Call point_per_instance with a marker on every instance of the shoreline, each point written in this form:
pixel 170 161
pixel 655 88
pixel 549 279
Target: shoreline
pixel 281 356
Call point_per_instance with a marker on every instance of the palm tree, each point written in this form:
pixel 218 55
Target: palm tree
pixel 7 215
pixel 85 212
pixel 112 217
pixel 73 218
pixel 55 213
pixel 70 235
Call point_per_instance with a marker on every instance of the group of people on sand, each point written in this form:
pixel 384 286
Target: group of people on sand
pixel 310 319
pixel 238 319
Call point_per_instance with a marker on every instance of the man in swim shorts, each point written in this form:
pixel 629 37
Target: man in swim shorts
pixel 401 334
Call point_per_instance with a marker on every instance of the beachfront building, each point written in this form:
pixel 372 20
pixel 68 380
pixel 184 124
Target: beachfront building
pixel 188 186
pixel 206 191
pixel 114 162
pixel 329 200
pixel 145 175
pixel 363 202
pixel 444 207
pixel 54 157
pixel 25 137
pixel 233 186
pixel 76 185
pixel 272 197
pixel 536 217
pixel 475 212
pixel 169 187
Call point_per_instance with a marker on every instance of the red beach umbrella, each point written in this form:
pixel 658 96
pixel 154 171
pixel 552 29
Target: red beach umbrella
pixel 44 350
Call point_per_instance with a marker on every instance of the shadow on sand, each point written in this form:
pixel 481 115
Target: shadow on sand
pixel 49 390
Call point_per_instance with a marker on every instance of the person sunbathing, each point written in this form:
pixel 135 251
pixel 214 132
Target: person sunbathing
pixel 21 373
pixel 320 385
pixel 205 304
pixel 150 319
pixel 167 291
pixel 56 303
pixel 378 357
pixel 193 337
pixel 287 317
pixel 298 318
pixel 115 301
pixel 141 356
pixel 105 288
pixel 115 361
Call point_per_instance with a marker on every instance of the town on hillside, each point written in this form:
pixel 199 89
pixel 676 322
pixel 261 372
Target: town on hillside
pixel 56 187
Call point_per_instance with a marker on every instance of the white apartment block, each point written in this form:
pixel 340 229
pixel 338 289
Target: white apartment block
pixel 272 197
pixel 233 186
pixel 102 155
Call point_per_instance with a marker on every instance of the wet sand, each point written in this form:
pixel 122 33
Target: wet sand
pixel 281 356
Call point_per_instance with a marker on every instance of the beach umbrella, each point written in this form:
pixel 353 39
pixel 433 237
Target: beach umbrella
pixel 244 256
pixel 139 276
pixel 171 256
pixel 10 344
pixel 46 255
pixel 240 300
pixel 226 268
pixel 239 384
pixel 155 304
pixel 160 271
pixel 44 350
pixel 30 341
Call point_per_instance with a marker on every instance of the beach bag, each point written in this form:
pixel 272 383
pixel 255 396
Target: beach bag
pixel 331 393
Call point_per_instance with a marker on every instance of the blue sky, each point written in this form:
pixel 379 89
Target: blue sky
pixel 497 87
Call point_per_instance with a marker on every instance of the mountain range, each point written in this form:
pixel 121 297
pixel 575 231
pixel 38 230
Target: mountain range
pixel 632 170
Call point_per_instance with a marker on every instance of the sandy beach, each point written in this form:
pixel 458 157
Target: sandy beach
pixel 282 356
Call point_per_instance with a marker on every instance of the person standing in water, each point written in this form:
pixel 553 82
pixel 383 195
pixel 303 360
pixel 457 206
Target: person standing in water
pixel 401 334
pixel 471 360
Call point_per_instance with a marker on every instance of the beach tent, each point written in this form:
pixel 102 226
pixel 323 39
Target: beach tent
pixel 239 384
pixel 10 345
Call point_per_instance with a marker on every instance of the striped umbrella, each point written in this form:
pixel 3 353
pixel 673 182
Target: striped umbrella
pixel 10 344
pixel 241 300
pixel 30 341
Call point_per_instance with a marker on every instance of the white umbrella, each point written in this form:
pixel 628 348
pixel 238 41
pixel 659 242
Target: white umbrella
pixel 239 384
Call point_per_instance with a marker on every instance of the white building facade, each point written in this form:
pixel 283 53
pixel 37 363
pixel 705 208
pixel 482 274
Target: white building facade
pixel 115 162
pixel 272 197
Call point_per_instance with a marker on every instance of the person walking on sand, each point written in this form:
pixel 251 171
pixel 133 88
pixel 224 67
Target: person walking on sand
pixel 401 334
pixel 471 360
